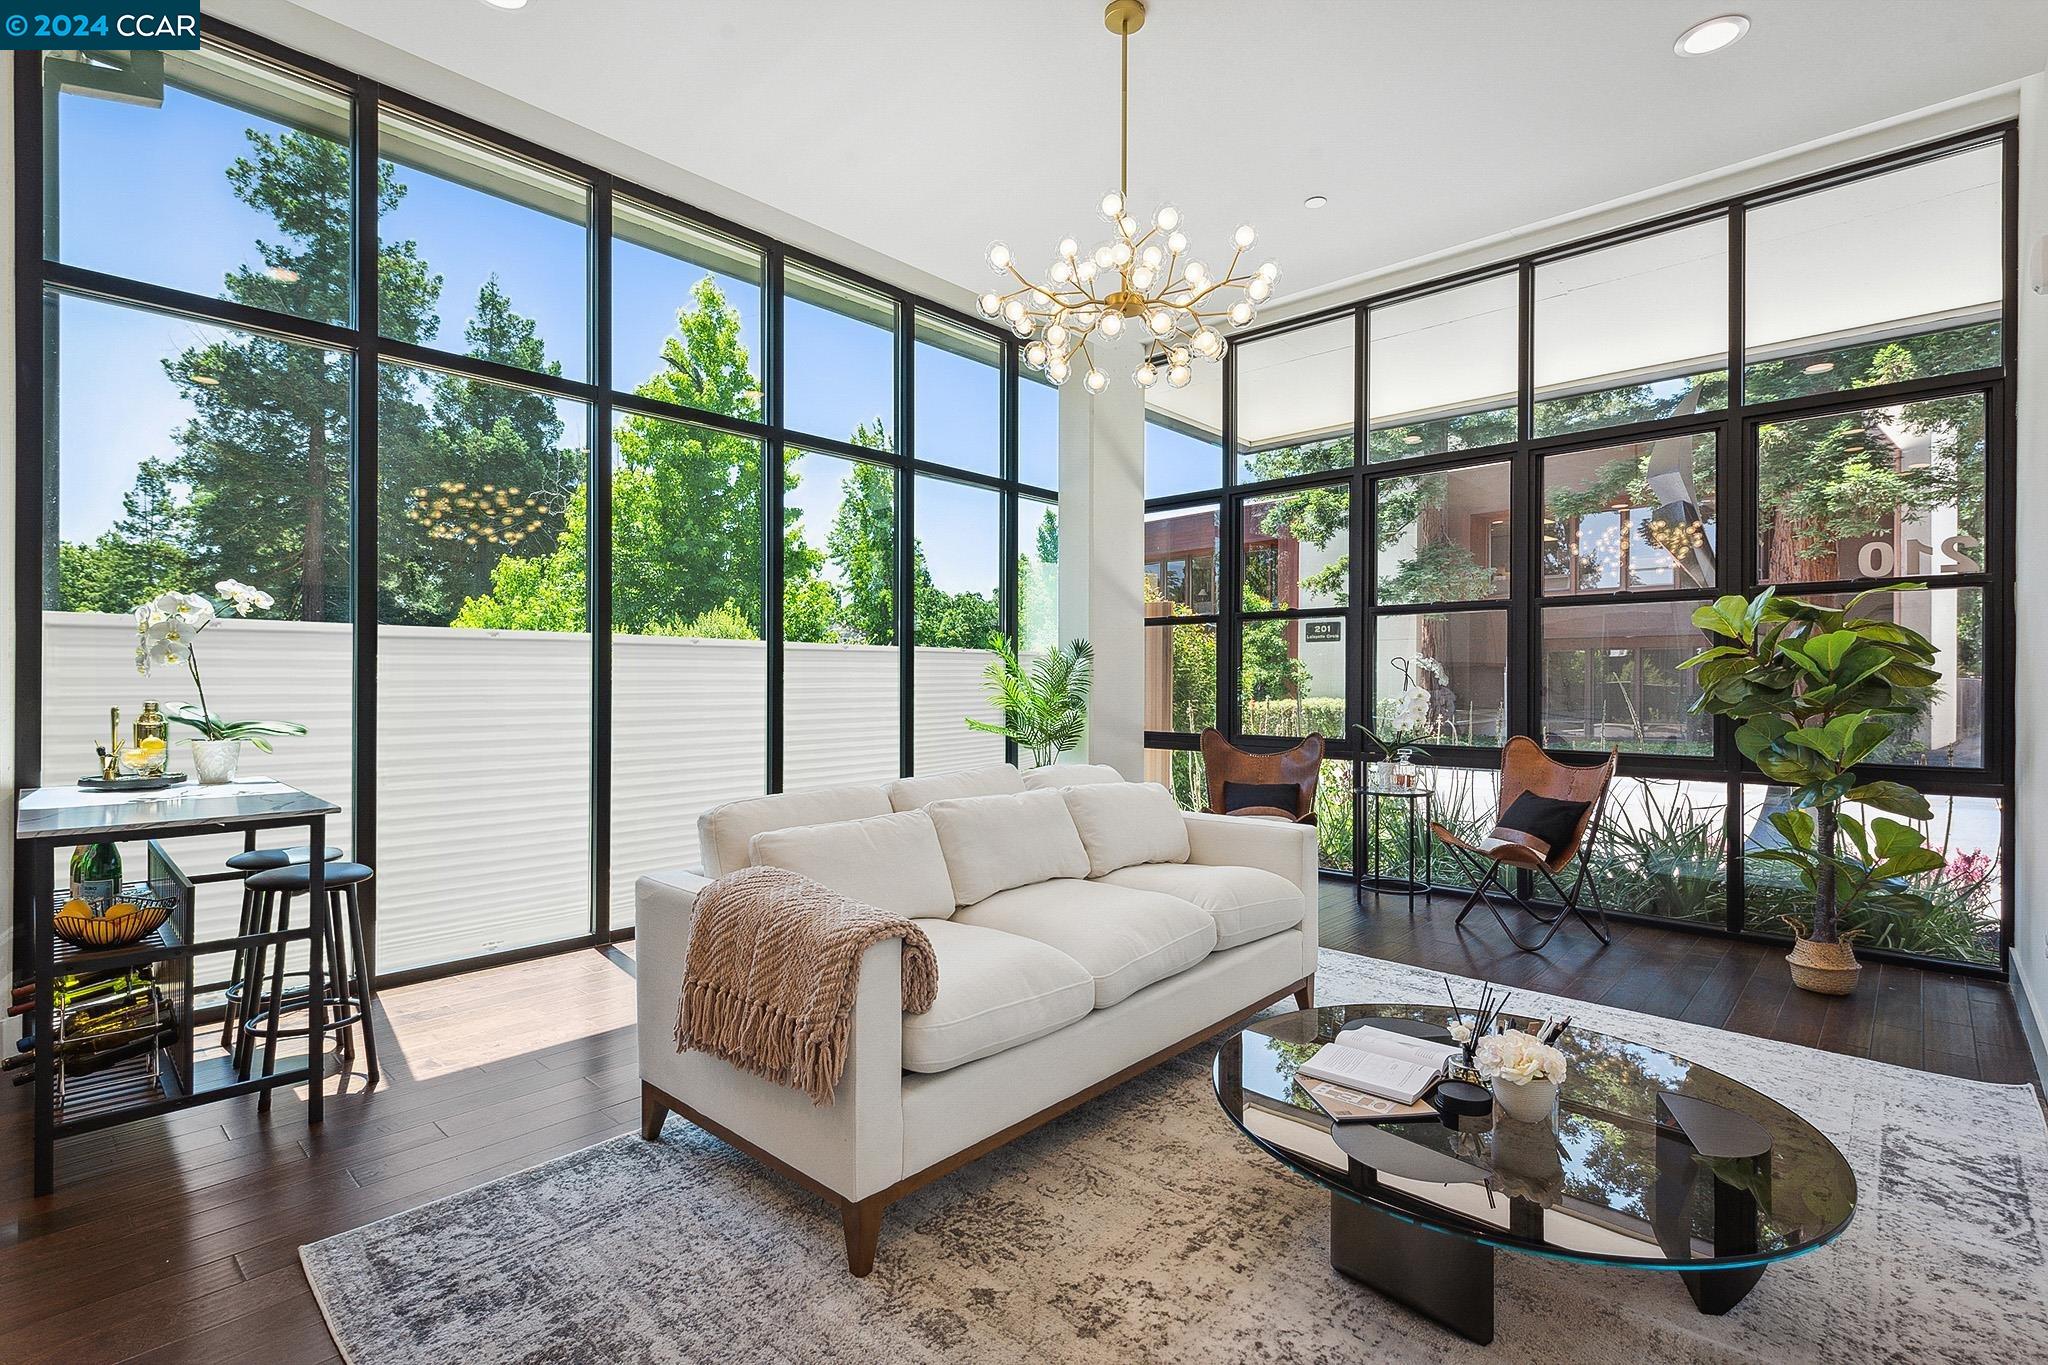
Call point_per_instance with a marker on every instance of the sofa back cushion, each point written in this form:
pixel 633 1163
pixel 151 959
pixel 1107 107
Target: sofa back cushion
pixel 915 793
pixel 891 862
pixel 724 832
pixel 992 843
pixel 1127 823
pixel 1053 776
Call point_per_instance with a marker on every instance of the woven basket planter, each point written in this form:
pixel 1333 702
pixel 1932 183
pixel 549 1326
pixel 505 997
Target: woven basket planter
pixel 1823 968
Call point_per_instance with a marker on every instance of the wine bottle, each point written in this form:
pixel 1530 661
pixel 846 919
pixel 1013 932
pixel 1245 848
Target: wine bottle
pixel 96 874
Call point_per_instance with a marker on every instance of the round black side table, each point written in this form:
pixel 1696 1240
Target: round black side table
pixel 1419 810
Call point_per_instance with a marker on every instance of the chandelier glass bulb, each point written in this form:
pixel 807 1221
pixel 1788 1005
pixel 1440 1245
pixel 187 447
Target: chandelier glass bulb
pixel 1140 280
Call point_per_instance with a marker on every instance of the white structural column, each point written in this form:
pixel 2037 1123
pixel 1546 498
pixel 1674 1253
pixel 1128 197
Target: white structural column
pixel 1102 552
pixel 2029 877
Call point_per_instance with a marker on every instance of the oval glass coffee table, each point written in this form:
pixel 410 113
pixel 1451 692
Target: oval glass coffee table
pixel 1655 1163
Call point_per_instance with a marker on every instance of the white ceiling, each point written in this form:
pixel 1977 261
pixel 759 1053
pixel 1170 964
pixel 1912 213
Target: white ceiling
pixel 924 129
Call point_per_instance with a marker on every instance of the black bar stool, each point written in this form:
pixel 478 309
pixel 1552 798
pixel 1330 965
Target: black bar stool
pixel 246 862
pixel 346 990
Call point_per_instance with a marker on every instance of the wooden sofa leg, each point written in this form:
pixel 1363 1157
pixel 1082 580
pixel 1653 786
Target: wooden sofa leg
pixel 1305 995
pixel 653 1112
pixel 862 1221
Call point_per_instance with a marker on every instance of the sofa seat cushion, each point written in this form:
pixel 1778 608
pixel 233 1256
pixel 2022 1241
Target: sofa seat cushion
pixel 1124 937
pixel 996 990
pixel 1247 904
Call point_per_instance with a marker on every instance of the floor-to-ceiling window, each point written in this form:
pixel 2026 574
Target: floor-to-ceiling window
pixel 1808 388
pixel 582 511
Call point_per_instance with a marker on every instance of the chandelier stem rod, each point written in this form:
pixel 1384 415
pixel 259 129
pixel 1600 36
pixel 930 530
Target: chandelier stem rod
pixel 1124 169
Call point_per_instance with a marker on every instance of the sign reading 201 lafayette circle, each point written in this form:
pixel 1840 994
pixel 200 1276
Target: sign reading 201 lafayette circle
pixel 46 24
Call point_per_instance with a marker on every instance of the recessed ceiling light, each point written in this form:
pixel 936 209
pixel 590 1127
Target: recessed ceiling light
pixel 1819 367
pixel 1710 35
pixel 283 274
pixel 506 4
pixel 1314 201
pixel 1411 439
pixel 206 379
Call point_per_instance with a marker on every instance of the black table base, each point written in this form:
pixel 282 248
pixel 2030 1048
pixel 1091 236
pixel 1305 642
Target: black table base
pixel 1448 1280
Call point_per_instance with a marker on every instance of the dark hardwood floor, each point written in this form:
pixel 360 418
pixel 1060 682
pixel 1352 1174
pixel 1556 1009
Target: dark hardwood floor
pixel 176 1239
pixel 1911 1016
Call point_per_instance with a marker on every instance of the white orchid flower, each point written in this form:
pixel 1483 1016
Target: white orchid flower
pixel 242 597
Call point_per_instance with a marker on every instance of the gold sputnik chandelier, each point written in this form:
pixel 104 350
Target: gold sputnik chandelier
pixel 1141 278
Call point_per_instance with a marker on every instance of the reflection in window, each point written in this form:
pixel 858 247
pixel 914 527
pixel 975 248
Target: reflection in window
pixel 1890 277
pixel 1291 677
pixel 481 528
pixel 1442 537
pixel 1180 677
pixel 1441 678
pixel 1294 401
pixel 1879 493
pixel 1038 431
pixel 1611 679
pixel 839 359
pixel 959 396
pixel 686 313
pixel 1442 371
pixel 492 252
pixel 1955 912
pixel 1297 549
pixel 1181 547
pixel 686 638
pixel 840 688
pixel 954 608
pixel 1038 575
pixel 1639 515
pixel 1946 730
pixel 1662 850
pixel 1633 332
pixel 1184 435
pixel 206 171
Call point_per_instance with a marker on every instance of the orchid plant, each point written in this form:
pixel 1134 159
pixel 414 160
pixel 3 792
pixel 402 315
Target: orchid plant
pixel 167 630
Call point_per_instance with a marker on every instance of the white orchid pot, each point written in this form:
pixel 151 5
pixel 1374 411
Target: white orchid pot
pixel 1533 1101
pixel 214 760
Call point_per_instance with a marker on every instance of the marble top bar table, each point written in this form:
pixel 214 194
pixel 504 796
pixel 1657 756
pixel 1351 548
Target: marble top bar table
pixel 49 819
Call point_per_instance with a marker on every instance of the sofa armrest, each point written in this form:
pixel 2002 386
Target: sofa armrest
pixel 1277 846
pixel 853 1146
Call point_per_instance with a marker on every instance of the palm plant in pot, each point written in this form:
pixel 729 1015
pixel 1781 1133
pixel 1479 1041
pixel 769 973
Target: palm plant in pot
pixel 1814 691
pixel 1044 705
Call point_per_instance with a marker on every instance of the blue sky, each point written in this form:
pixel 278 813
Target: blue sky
pixel 143 193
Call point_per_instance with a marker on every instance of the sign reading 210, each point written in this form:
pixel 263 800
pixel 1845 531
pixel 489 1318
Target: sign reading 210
pixel 44 24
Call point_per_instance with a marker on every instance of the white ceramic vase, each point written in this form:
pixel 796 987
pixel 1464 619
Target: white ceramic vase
pixel 214 760
pixel 1529 1102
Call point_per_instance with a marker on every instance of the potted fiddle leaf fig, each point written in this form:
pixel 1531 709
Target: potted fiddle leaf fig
pixel 1814 691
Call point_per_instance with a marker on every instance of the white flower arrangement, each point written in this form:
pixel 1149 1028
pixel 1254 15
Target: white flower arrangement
pixel 1460 1031
pixel 167 629
pixel 1517 1058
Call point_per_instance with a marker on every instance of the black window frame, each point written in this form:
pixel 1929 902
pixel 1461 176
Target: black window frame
pixel 1737 424
pixel 39 282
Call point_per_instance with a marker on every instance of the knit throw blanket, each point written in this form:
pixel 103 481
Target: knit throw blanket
pixel 773 965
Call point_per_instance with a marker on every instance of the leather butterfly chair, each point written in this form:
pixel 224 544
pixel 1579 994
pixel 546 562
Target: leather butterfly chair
pixel 1525 768
pixel 1300 767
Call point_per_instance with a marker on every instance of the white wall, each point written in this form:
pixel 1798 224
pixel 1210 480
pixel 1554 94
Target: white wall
pixel 1102 559
pixel 2030 597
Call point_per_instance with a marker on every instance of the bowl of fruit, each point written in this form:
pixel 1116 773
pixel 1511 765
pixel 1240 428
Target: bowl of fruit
pixel 85 925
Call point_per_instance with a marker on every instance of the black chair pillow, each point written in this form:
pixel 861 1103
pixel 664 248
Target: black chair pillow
pixel 1548 819
pixel 1282 795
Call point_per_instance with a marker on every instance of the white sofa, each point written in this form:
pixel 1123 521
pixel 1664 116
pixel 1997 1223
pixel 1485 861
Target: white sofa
pixel 1052 988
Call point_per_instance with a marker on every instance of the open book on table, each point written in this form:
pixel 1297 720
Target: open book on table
pixel 1390 1065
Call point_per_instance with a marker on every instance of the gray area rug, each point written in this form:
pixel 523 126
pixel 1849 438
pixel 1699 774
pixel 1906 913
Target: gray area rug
pixel 1143 1227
